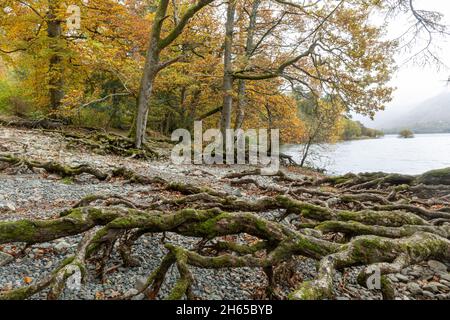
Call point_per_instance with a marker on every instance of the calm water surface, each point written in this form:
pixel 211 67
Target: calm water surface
pixel 389 154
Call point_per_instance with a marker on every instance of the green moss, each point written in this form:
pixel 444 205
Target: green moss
pixel 73 221
pixel 77 214
pixel 209 228
pixel 67 180
pixel 402 187
pixel 361 279
pixel 63 264
pixel 242 249
pixel 17 294
pixel 104 216
pixel 261 225
pixel 17 230
pixel 368 249
pixel 340 180
pixel 387 289
pixel 304 209
pixel 438 172
pixel 382 218
pixel 435 177
pixel 315 248
pixel 308 291
pixel 179 289
pixel 432 246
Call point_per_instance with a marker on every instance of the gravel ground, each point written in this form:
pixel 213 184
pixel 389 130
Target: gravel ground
pixel 43 196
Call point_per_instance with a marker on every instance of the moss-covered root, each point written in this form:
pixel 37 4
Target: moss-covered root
pixel 134 177
pixel 73 266
pixel 183 188
pixel 374 276
pixel 371 180
pixel 368 250
pixel 55 167
pixel 154 282
pixel 109 199
pixel 23 293
pixel 366 180
pixel 387 288
pixel 318 213
pixel 321 287
pixel 435 177
pixel 352 228
pixel 76 268
pixel 421 212
pixel 188 189
pixel 125 247
pixel 73 222
pixel 113 144
pixel 56 280
pixel 183 285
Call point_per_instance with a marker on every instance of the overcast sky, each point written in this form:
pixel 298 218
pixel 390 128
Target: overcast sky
pixel 415 83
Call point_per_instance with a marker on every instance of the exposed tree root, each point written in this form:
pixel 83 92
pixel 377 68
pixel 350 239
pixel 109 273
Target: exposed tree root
pixel 424 242
pixel 354 228
pixel 108 143
pixel 56 281
pixel 379 179
pixel 369 250
pixel 370 220
pixel 288 160
pixel 254 172
pixel 52 167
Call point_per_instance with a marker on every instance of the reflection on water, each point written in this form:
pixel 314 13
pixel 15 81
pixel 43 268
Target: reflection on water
pixel 389 154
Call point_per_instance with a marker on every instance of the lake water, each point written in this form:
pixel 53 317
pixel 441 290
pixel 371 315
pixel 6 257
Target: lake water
pixel 388 154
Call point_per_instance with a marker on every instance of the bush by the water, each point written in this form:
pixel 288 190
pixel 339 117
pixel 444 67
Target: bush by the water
pixel 406 134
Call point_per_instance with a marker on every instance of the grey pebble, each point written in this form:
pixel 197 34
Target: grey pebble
pixel 402 277
pixel 5 258
pixel 437 266
pixel 414 288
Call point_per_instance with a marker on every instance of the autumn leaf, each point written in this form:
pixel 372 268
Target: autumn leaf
pixel 27 280
pixel 99 295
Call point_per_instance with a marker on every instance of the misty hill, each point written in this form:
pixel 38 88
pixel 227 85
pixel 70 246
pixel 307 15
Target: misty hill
pixel 430 116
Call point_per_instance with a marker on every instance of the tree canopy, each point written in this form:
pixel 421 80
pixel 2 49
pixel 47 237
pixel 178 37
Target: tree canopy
pixel 161 65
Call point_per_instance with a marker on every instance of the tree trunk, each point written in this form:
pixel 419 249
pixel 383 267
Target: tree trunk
pixel 228 69
pixel 242 99
pixel 241 104
pixel 152 61
pixel 145 93
pixel 150 72
pixel 305 152
pixel 269 127
pixel 55 82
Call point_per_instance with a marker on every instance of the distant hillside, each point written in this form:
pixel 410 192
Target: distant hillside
pixel 430 116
